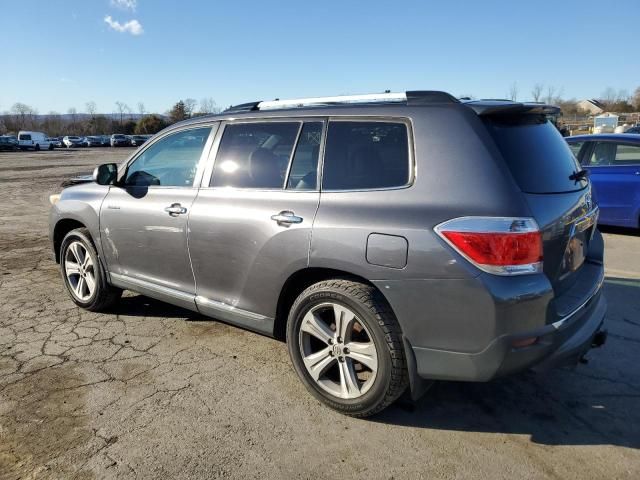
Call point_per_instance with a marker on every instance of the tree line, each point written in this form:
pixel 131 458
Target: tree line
pixel 124 119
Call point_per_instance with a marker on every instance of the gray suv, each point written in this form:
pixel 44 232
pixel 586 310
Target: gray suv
pixel 391 239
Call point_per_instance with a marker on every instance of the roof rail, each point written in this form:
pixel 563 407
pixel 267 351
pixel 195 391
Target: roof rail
pixel 418 97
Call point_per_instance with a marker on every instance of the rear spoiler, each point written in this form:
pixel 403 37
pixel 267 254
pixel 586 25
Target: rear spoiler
pixel 506 107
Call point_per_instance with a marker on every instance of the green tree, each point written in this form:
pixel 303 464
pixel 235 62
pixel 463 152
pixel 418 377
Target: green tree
pixel 178 112
pixel 150 124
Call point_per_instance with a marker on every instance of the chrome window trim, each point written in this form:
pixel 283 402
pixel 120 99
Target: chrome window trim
pixel 382 119
pixel 208 172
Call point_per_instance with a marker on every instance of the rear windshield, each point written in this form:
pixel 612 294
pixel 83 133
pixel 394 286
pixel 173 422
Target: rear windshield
pixel 24 136
pixel 539 158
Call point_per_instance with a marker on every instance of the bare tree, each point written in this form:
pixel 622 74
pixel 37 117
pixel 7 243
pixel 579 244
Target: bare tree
pixel 73 118
pixel 513 92
pixel 141 109
pixel 128 110
pixel 90 107
pixel 189 106
pixel 208 105
pixel 120 109
pixel 636 98
pixel 24 116
pixel 551 92
pixel 536 92
pixel 609 96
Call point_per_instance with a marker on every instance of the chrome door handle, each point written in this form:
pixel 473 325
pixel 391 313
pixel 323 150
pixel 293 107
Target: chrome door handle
pixel 175 209
pixel 286 217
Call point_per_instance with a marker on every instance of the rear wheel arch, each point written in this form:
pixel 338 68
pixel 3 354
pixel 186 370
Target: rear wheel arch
pixel 300 281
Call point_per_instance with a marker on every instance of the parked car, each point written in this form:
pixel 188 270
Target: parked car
pixel 105 140
pixel 33 140
pixel 71 141
pixel 635 130
pixel 55 142
pixel 425 257
pixel 9 142
pixel 119 140
pixel 92 141
pixel 613 163
pixel 137 140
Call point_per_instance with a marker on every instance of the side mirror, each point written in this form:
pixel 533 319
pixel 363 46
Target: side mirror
pixel 106 174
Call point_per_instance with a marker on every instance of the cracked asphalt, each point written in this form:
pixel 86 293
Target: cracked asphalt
pixel 151 391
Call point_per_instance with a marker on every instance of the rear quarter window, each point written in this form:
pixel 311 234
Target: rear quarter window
pixel 362 155
pixel 538 157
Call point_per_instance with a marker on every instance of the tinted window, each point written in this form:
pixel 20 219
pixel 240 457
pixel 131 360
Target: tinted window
pixel 627 155
pixel 25 137
pixel 254 155
pixel 602 155
pixel 170 162
pixel 575 148
pixel 303 174
pixel 539 158
pixel 365 155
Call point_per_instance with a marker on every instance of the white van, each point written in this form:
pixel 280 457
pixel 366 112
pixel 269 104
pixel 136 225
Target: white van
pixel 35 140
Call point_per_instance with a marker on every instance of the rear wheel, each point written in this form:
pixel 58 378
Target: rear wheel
pixel 83 274
pixel 37 149
pixel 346 346
pixel 51 146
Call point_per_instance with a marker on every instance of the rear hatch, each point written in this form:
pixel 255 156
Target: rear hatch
pixel 559 198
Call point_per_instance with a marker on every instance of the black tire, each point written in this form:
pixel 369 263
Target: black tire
pixel 105 295
pixel 51 146
pixel 37 149
pixel 375 314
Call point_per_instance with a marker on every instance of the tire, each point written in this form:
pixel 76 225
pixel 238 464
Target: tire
pixel 373 384
pixel 103 296
pixel 51 146
pixel 37 149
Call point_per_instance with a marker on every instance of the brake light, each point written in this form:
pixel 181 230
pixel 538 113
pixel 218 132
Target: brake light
pixel 502 246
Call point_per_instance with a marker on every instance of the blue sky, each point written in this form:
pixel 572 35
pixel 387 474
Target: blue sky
pixel 62 54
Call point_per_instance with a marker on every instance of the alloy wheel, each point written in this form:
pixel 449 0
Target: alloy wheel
pixel 80 272
pixel 338 351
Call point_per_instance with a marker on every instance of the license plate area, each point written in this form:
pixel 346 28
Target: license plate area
pixel 580 234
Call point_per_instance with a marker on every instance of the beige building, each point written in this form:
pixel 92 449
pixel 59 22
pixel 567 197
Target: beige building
pixel 594 107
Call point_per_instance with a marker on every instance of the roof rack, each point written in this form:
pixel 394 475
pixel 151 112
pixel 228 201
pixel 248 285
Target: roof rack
pixel 417 97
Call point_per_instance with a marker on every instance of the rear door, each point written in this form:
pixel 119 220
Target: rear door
pixel 615 173
pixel 250 227
pixel 543 165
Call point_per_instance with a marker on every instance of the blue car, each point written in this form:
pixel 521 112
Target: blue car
pixel 613 163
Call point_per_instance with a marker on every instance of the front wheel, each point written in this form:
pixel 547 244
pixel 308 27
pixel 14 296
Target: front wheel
pixel 83 274
pixel 51 146
pixel 346 346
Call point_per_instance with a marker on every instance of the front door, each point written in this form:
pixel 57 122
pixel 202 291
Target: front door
pixel 250 228
pixel 615 175
pixel 143 220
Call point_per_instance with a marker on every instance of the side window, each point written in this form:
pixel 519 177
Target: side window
pixel 575 149
pixel 365 155
pixel 170 162
pixel 602 155
pixel 627 155
pixel 254 155
pixel 303 174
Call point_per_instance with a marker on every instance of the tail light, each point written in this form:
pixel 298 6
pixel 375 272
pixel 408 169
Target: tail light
pixel 502 246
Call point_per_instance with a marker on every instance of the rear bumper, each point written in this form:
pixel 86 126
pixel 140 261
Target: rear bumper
pixel 558 344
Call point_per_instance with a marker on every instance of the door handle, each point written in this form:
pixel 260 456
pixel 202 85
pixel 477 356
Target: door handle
pixel 175 209
pixel 286 217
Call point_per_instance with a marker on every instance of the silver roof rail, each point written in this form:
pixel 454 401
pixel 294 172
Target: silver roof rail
pixel 303 102
pixel 419 97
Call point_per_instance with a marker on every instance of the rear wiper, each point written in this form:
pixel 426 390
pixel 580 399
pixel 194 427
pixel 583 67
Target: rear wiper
pixel 579 175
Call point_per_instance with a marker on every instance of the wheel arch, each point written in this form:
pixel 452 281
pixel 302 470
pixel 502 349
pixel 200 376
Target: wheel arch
pixel 61 229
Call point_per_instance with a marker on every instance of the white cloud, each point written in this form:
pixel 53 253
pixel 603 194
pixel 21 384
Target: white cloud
pixel 125 4
pixel 132 26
